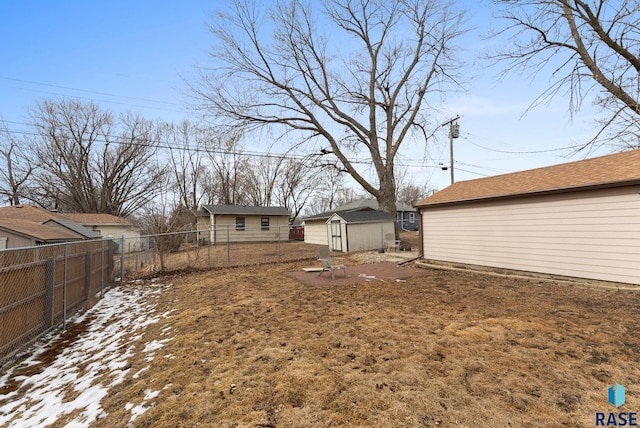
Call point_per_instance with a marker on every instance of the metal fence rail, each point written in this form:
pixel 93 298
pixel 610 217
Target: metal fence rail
pixel 194 250
pixel 40 287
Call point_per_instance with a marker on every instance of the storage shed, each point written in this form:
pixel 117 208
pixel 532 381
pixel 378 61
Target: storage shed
pixel 578 219
pixel 358 230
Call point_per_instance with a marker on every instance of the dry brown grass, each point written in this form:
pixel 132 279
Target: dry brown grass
pixel 252 347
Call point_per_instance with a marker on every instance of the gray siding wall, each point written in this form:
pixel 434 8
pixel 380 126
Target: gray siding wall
pixel 590 234
pixel 368 236
pixel 16 241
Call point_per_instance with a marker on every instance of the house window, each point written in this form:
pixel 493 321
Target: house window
pixel 239 223
pixel 412 217
pixel 264 223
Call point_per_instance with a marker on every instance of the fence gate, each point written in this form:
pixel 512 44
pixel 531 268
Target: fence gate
pixel 336 235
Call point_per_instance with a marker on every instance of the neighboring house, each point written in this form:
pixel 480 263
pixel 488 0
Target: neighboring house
pixel 25 225
pixel 80 226
pixel 579 219
pixel 111 227
pixel 17 233
pixel 360 230
pixel 406 215
pixel 234 223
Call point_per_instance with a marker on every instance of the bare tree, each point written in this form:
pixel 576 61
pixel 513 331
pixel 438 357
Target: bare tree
pixel 224 184
pixel 411 193
pixel 16 166
pixel 330 188
pixel 187 162
pixel 589 47
pixel 360 84
pixel 297 184
pixel 164 217
pixel 259 179
pixel 91 165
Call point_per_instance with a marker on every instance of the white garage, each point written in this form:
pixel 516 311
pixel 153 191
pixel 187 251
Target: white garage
pixel 579 219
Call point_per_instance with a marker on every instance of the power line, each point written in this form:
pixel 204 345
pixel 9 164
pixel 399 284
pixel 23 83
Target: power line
pixel 165 145
pixel 523 152
pixel 90 92
pixel 107 101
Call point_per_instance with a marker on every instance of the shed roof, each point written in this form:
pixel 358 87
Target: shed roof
pixel 248 210
pixel 604 171
pixel 366 216
pixel 359 205
pixel 38 231
pixel 373 204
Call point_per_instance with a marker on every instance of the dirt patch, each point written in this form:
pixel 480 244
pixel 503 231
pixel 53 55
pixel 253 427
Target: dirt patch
pixel 259 347
pixel 355 274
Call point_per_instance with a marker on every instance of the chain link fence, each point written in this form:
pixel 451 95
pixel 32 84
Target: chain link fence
pixel 226 246
pixel 209 249
pixel 40 287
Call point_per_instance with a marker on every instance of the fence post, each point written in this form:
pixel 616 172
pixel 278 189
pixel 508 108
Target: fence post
pixel 64 290
pixel 209 250
pixel 50 269
pixel 122 258
pixel 228 247
pixel 87 274
pixel 278 246
pixel 102 267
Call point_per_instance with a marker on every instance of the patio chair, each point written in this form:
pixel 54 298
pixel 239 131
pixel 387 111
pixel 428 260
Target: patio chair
pixel 327 261
pixel 391 242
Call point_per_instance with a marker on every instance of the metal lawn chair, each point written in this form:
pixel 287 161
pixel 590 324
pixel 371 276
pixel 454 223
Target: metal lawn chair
pixel 391 242
pixel 327 261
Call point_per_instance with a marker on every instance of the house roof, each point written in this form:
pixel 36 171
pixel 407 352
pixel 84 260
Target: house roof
pixel 248 210
pixel 41 216
pixel 604 171
pixel 364 216
pixel 36 230
pixel 373 204
pixel 27 212
pixel 74 227
pixel 98 219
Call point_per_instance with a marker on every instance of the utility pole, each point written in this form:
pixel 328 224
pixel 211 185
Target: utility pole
pixel 454 132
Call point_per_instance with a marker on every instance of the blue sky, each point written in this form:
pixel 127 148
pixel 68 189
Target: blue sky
pixel 132 55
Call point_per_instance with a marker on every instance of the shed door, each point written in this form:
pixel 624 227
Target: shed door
pixel 336 235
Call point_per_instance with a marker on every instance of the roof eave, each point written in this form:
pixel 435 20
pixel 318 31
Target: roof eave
pixel 559 190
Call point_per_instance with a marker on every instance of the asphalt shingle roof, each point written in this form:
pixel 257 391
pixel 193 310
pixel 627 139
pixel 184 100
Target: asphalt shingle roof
pixel 364 216
pixel 373 204
pixel 249 210
pixel 603 171
pixel 37 230
pixel 74 227
pixel 97 219
pixel 27 212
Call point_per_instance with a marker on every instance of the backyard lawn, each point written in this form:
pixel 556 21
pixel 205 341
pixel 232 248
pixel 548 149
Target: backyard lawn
pixel 260 347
